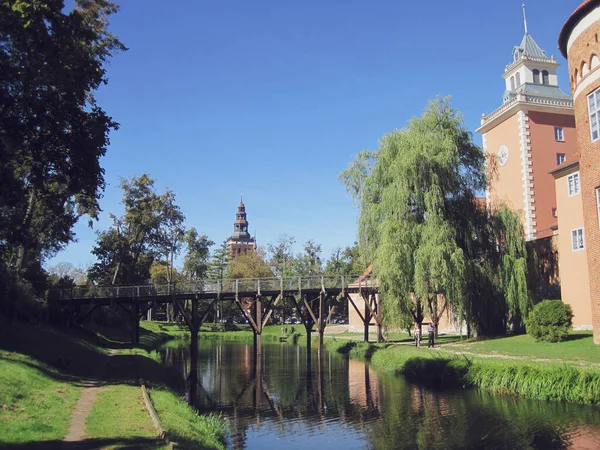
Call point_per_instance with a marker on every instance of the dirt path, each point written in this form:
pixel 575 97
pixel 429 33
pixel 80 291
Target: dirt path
pixel 81 412
pixel 85 403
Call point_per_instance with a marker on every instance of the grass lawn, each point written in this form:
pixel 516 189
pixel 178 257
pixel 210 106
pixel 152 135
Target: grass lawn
pixel 579 348
pixel 119 415
pixel 35 403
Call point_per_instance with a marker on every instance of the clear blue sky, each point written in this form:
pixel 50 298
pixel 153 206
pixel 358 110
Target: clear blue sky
pixel 274 98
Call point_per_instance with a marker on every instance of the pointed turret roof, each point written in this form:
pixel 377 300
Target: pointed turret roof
pixel 530 48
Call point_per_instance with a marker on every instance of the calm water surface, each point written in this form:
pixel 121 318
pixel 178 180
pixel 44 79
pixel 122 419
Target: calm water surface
pixel 296 400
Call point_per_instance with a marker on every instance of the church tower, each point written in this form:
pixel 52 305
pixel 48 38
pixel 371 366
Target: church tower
pixel 531 133
pixel 240 242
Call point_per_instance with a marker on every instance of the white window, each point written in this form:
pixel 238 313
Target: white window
pixel 594 110
pixel 560 158
pixel 558 134
pixel 573 183
pixel 598 203
pixel 577 239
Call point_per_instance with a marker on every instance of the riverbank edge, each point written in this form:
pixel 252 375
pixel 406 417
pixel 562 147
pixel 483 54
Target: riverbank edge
pixel 554 382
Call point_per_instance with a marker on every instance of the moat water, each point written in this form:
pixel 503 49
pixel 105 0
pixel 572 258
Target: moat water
pixel 294 399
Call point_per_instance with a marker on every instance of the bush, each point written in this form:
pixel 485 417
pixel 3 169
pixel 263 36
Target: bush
pixel 550 321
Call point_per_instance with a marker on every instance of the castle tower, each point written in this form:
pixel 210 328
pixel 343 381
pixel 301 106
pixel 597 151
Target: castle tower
pixel 578 42
pixel 240 241
pixel 531 133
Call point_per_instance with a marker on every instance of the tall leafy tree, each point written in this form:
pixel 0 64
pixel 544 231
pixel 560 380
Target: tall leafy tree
pixel 196 261
pixel 217 267
pixel 141 236
pixel 52 131
pixel 281 256
pixel 309 262
pixel 249 265
pixel 344 262
pixel 420 223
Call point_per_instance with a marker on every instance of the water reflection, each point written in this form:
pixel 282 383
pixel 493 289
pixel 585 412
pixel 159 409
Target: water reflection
pixel 291 398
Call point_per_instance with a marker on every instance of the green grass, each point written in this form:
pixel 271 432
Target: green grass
pixel 184 425
pixel 579 348
pixel 119 415
pixel 35 404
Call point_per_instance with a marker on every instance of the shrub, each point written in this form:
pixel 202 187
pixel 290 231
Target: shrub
pixel 550 321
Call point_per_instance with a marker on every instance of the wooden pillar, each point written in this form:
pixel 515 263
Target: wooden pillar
pixel 258 384
pixel 194 328
pixel 377 299
pixel 367 317
pixel 258 322
pixel 321 324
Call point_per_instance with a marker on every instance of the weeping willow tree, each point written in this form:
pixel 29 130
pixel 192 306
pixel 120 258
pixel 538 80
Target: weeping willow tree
pixel 432 246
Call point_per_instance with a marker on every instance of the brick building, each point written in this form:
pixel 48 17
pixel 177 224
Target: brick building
pixel 578 42
pixel 240 242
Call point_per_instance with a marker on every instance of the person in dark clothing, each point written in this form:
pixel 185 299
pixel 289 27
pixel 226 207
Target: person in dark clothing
pixel 431 332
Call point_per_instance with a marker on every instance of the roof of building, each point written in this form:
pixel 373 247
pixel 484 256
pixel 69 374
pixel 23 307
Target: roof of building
pixel 561 169
pixel 530 47
pixel 545 90
pixel 581 11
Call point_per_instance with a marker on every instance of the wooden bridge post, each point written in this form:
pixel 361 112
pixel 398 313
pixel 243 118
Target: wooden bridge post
pixel 321 324
pixel 135 322
pixel 367 318
pixel 258 322
pixel 194 328
pixel 377 299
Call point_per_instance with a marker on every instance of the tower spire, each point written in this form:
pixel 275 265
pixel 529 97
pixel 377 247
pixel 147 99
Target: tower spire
pixel 524 19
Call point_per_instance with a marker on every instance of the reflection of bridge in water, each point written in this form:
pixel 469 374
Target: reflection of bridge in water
pixel 255 297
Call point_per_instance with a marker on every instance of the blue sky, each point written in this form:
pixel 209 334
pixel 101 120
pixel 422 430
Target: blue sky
pixel 274 98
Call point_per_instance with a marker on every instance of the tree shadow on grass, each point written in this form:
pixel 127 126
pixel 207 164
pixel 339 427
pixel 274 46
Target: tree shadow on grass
pixel 116 443
pixel 577 336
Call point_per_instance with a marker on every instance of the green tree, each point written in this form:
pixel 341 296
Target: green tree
pixel 249 265
pixel 421 225
pixel 344 262
pixel 217 267
pixel 141 236
pixel 195 263
pixel 308 263
pixel 281 256
pixel 52 131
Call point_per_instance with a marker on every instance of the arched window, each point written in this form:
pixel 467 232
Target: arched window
pixel 584 70
pixel 576 75
pixel 512 83
pixel 536 76
pixel 595 62
pixel 545 77
pixel 518 79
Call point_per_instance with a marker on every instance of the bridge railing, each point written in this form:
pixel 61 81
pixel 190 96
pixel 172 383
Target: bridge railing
pixel 225 286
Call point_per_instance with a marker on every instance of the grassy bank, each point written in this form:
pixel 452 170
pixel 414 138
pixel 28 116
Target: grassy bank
pixel 542 381
pixel 35 400
pixel 41 374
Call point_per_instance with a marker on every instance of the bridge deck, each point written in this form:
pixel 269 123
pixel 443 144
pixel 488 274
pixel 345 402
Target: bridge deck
pixel 229 289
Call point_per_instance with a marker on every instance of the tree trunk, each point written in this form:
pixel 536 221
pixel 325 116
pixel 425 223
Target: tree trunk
pixel 21 249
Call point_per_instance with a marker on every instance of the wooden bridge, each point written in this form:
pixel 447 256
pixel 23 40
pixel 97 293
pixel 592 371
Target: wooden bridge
pixel 255 297
pixel 310 296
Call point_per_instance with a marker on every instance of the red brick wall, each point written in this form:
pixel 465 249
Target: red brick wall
pixel 582 50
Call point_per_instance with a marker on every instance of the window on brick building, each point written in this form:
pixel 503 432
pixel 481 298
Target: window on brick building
pixel 573 184
pixel 554 212
pixel 560 158
pixel 536 76
pixel 559 134
pixel 598 204
pixel 594 110
pixel 577 239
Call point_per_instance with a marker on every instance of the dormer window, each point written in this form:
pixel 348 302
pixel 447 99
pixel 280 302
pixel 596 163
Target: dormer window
pixel 536 76
pixel 518 79
pixel 545 79
pixel 512 83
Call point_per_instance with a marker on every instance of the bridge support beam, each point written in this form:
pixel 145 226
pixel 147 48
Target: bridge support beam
pixel 194 328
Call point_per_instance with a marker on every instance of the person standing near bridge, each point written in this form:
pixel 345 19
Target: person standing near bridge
pixel 417 335
pixel 431 332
